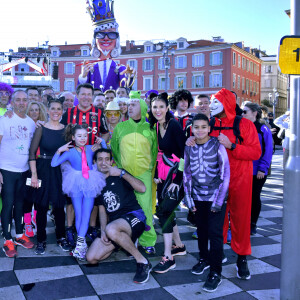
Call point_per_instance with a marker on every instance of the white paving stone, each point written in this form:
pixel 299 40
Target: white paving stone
pixel 271 213
pixel 194 291
pixel 191 245
pixel 44 274
pixel 277 238
pixel 263 222
pixel 255 266
pixel 6 264
pixel 265 250
pixel 266 294
pixel 84 298
pixel 118 283
pixel 12 292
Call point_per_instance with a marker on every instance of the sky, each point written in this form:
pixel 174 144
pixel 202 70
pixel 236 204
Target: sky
pixel 260 24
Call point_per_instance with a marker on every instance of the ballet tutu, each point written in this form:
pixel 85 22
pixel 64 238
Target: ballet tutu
pixel 75 185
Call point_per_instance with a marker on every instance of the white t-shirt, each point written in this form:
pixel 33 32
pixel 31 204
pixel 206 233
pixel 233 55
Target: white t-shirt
pixel 16 135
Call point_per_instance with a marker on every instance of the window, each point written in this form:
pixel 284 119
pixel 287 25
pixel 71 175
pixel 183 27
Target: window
pixel 198 81
pixel 84 52
pixel 148 64
pixel 233 58
pixel 243 63
pixel 251 66
pixel 243 83
pixel 69 68
pixel 180 82
pixel 250 86
pixel 162 83
pixel 254 86
pixel 254 69
pixel 23 68
pixel 161 63
pixel 180 62
pixel 247 85
pixel 215 79
pixel 239 61
pixel 268 69
pixel 181 45
pixel 233 80
pixel 257 88
pixel 56 85
pixel 132 63
pixel 238 82
pixel 55 53
pixel 198 60
pixel 69 85
pixel 148 83
pixel 247 65
pixel 148 48
pixel 216 58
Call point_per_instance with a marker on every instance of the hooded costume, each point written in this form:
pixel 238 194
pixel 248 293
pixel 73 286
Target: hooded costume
pixel 134 148
pixel 241 166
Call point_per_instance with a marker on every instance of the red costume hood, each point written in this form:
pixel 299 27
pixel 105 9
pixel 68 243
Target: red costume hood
pixel 228 100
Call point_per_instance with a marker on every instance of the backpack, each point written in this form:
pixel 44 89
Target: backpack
pixel 235 128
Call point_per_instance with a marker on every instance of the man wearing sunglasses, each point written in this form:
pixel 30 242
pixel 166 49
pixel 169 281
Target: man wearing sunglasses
pixel 105 73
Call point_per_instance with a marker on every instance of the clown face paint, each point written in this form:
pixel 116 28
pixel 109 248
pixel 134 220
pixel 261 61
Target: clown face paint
pixel 215 106
pixel 106 44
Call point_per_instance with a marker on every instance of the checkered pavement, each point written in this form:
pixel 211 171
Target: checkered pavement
pixel 57 275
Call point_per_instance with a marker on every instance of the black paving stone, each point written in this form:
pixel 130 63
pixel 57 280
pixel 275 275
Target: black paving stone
pixel 65 288
pixel 176 277
pixel 277 220
pixel 274 260
pixel 237 296
pixel 149 294
pixel 8 278
pixel 259 282
pixel 259 241
pixel 22 263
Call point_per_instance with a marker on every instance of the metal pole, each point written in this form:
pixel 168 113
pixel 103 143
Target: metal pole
pixel 290 272
pixel 166 74
pixel 274 105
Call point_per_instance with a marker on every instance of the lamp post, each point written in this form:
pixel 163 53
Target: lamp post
pixel 273 99
pixel 167 61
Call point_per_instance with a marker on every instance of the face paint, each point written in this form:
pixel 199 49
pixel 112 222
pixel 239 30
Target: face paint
pixel 215 106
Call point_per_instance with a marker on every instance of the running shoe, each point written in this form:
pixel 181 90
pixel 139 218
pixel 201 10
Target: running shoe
pixel 142 272
pixel 212 282
pixel 79 253
pixel 24 241
pixel 40 248
pixel 165 265
pixel 200 267
pixel 92 233
pixel 64 245
pixel 70 236
pixel 9 248
pixel 176 250
pixel 242 269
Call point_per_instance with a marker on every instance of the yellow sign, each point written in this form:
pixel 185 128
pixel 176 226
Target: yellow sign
pixel 289 55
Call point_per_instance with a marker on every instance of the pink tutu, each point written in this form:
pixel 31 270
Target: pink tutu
pixel 75 185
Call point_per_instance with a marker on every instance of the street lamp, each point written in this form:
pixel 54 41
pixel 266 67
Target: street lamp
pixel 273 99
pixel 167 61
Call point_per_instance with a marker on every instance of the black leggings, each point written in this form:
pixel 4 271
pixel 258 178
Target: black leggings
pixel 12 201
pixel 41 222
pixel 257 186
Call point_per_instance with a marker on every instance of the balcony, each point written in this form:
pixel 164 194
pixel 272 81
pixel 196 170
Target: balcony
pixel 26 80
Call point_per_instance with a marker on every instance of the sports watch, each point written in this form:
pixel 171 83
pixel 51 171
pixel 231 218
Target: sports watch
pixel 233 146
pixel 123 172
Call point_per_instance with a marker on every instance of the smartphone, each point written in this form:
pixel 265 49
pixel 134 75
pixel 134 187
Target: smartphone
pixel 28 182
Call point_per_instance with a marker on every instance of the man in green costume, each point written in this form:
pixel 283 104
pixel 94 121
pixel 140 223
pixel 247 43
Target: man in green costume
pixel 134 147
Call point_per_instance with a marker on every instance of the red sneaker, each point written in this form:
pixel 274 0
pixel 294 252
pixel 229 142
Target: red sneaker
pixel 9 248
pixel 25 242
pixel 28 230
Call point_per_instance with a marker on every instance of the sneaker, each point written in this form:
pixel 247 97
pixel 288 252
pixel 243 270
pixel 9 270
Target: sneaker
pixel 212 282
pixel 200 267
pixel 242 269
pixel 29 230
pixel 176 250
pixel 9 248
pixel 70 237
pixel 64 245
pixel 195 235
pixel 24 241
pixel 40 248
pixel 92 233
pixel 142 272
pixel 150 250
pixel 79 253
pixel 224 258
pixel 165 265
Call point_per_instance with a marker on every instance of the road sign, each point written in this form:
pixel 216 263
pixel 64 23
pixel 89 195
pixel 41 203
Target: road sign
pixel 289 54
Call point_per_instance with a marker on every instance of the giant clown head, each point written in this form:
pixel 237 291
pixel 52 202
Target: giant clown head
pixel 106 39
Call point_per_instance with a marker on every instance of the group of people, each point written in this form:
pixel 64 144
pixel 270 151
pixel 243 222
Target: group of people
pixel 127 159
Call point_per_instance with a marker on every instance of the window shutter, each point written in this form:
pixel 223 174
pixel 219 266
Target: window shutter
pixel 144 65
pixel 184 82
pixel 159 83
pixel 152 64
pixel 193 82
pixel 65 85
pixel 193 61
pixel 210 80
pixel 176 62
pixel 202 60
pixel 73 69
pixel 65 69
pixel 202 80
pixel 210 59
pixel 160 63
pixel 221 58
pixel 184 62
pixel 175 83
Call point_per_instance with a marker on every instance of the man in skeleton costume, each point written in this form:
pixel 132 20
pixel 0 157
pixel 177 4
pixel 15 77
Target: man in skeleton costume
pixel 241 153
pixel 104 73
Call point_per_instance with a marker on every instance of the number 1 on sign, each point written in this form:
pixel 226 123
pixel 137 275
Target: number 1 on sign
pixel 297 51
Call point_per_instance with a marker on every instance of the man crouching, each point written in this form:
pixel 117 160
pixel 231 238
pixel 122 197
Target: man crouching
pixel 122 220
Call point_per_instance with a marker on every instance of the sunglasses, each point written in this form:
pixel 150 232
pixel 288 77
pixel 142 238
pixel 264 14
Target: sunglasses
pixel 109 114
pixel 4 94
pixel 110 35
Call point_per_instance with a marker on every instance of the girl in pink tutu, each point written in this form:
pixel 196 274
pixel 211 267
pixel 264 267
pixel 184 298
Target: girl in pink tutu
pixel 80 181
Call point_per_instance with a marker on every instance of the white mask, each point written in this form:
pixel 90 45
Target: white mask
pixel 215 106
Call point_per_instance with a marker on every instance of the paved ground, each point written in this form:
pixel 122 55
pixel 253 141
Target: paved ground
pixel 57 275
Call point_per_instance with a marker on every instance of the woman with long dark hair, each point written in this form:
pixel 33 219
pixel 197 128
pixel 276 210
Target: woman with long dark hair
pixel 171 142
pixel 252 112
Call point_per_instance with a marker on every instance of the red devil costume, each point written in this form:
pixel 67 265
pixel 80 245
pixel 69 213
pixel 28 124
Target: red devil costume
pixel 240 160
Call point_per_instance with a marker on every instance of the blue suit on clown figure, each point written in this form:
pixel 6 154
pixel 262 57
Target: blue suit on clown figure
pixel 104 74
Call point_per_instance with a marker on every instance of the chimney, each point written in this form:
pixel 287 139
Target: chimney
pixel 127 45
pixel 131 44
